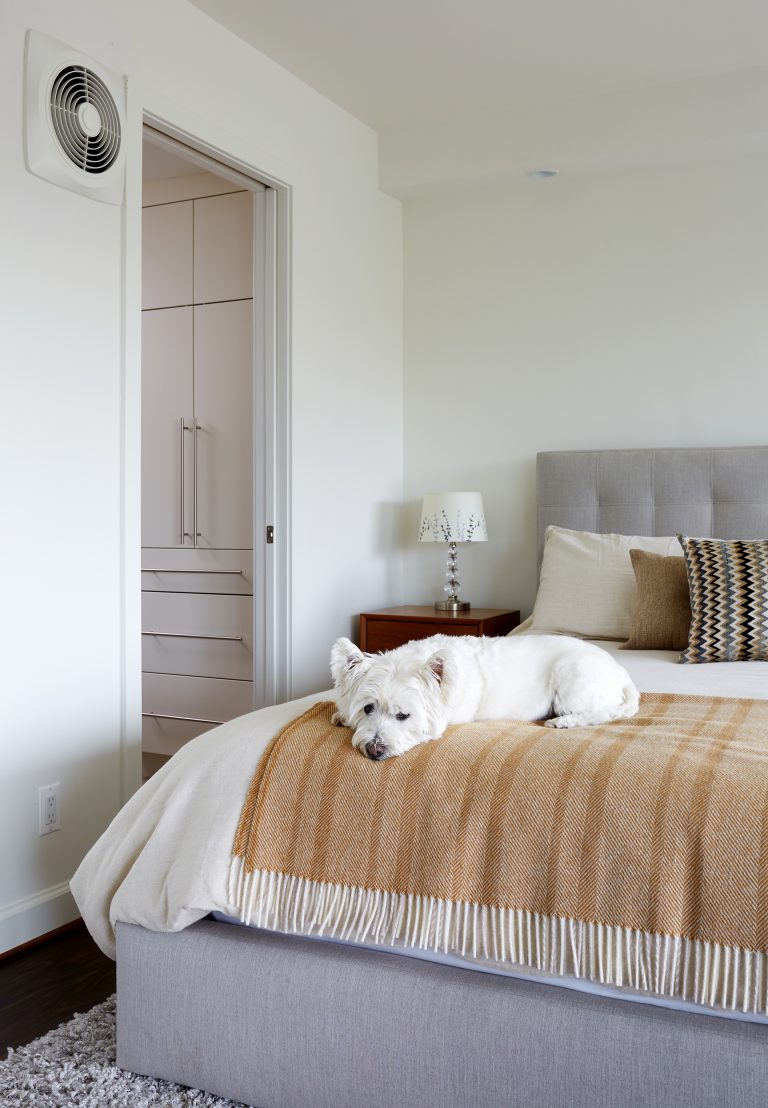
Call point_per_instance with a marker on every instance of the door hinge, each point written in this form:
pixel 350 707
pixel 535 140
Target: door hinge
pixel 270 533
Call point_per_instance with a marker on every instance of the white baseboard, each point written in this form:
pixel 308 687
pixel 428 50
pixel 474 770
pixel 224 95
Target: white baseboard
pixel 35 915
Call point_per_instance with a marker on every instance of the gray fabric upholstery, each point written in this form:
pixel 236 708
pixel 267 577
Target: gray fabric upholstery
pixel 282 1022
pixel 719 493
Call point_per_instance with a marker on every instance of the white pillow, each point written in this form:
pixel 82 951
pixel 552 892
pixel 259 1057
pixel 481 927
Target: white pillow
pixel 587 584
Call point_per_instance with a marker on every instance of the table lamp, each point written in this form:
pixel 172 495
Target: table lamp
pixel 452 517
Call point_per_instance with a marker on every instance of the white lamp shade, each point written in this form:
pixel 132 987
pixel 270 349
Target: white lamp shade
pixel 452 517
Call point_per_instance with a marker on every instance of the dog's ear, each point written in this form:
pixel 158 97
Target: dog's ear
pixel 347 662
pixel 435 668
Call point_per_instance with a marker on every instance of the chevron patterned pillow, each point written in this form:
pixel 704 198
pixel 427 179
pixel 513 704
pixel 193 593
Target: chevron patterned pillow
pixel 728 583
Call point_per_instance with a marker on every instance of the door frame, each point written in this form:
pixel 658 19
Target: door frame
pixel 272 454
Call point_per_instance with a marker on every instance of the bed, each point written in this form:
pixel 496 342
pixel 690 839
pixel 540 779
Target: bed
pixel 277 1019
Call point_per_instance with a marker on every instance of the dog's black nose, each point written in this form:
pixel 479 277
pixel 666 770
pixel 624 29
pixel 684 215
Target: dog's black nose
pixel 374 750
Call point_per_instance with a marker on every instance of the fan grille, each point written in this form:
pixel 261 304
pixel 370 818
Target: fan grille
pixel 85 119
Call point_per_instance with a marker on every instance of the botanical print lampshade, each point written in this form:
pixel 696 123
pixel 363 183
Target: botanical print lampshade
pixel 452 517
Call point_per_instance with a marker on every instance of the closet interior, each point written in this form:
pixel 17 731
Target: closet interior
pixel 197 453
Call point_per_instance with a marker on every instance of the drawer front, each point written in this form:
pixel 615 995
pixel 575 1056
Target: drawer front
pixel 200 703
pixel 386 634
pixel 165 737
pixel 199 635
pixel 220 571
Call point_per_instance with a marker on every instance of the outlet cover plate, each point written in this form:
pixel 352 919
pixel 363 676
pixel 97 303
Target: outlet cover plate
pixel 49 818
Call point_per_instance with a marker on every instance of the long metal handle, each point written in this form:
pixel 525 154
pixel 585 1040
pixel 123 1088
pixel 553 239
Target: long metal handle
pixel 153 569
pixel 186 719
pixel 182 532
pixel 195 532
pixel 179 635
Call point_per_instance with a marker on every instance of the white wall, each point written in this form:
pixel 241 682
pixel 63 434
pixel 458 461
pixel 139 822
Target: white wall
pixel 69 546
pixel 622 309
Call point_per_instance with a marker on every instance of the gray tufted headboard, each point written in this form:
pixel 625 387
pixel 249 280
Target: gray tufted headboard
pixel 718 493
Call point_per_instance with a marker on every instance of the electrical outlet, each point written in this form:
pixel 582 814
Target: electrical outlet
pixel 49 818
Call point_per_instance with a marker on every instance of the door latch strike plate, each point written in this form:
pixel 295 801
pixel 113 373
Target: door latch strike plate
pixel 270 533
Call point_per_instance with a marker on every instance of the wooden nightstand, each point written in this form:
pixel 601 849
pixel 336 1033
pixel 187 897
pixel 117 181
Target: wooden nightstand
pixel 392 627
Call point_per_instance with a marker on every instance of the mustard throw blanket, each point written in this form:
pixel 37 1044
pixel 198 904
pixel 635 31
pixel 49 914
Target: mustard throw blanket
pixel 635 853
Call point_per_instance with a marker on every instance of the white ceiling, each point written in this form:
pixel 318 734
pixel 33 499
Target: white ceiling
pixel 394 63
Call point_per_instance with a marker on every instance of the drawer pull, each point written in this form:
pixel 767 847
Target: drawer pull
pixel 235 572
pixel 179 635
pixel 185 719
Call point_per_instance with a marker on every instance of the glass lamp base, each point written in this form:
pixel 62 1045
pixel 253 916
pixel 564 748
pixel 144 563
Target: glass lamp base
pixel 452 605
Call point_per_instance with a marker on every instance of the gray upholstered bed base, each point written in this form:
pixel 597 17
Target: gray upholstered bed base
pixel 282 1022
pixel 288 1023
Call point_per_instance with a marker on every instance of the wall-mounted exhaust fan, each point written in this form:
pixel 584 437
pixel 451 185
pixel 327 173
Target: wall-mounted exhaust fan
pixel 74 120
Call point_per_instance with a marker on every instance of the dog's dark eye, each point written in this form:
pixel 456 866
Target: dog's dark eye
pixel 368 709
pixel 403 715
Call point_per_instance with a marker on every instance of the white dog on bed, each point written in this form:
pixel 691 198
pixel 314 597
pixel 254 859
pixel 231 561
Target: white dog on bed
pixel 410 695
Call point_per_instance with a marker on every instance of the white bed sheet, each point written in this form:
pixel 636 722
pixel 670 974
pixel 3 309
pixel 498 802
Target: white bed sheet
pixel 661 671
pixel 163 863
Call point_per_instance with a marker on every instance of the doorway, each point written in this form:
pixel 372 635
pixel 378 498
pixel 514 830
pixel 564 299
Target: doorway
pixel 214 560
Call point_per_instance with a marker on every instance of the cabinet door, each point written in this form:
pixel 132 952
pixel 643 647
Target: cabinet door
pixel 166 279
pixel 166 379
pixel 224 247
pixel 224 413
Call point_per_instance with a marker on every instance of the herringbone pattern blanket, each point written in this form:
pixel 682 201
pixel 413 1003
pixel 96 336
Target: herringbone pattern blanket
pixel 501 837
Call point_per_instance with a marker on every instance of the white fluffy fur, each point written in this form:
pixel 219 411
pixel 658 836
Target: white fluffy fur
pixel 410 695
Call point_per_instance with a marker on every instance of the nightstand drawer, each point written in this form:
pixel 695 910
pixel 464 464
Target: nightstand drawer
pixel 386 634
pixel 391 627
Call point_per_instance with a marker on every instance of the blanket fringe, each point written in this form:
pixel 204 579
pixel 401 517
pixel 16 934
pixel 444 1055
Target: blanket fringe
pixel 704 973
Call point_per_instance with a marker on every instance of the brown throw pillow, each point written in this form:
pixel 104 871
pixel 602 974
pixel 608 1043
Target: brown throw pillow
pixel 662 617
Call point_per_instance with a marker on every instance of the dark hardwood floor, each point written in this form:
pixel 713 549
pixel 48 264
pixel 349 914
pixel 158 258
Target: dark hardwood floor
pixel 46 983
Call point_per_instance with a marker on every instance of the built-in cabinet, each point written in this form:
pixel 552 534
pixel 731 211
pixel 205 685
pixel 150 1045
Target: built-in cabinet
pixel 197 465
